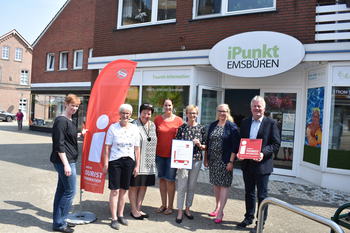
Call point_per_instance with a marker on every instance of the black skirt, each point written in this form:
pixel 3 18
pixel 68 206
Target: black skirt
pixel 143 180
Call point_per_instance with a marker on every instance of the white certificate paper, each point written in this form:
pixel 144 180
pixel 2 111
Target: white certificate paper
pixel 181 154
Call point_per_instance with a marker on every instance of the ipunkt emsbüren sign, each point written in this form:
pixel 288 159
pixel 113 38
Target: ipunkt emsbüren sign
pixel 256 54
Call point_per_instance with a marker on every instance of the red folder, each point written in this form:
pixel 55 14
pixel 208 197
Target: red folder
pixel 249 148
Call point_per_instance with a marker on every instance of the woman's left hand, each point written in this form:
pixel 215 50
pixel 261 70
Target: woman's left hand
pixel 229 167
pixel 136 171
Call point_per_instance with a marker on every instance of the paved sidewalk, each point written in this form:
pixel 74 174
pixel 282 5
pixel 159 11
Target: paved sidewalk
pixel 28 181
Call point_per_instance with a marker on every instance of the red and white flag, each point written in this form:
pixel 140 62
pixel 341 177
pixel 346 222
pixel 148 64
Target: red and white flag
pixel 108 93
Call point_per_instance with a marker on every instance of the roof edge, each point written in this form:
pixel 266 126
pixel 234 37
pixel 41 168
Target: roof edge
pixel 50 23
pixel 15 32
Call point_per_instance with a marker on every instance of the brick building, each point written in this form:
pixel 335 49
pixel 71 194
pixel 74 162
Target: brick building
pixel 208 52
pixel 295 54
pixel 15 73
pixel 60 56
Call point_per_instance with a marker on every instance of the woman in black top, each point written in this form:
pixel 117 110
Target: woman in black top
pixel 64 156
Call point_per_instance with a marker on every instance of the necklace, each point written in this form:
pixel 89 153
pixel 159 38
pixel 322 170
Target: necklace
pixel 147 133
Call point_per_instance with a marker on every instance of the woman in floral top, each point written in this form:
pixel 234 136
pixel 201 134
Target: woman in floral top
pixel 187 179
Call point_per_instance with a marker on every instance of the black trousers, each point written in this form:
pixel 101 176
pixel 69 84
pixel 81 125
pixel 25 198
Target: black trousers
pixel 253 182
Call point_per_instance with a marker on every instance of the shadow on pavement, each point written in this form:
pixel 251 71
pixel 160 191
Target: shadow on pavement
pixel 18 219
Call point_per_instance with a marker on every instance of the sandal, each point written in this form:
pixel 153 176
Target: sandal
pixel 161 209
pixel 168 211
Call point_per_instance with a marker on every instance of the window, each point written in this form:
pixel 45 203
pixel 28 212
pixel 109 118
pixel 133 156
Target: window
pixel 50 62
pixel 339 140
pixel 5 52
pixel 63 60
pixel 205 8
pixel 18 54
pixel 157 94
pixel 91 52
pixel 78 59
pixel 146 12
pixel 24 80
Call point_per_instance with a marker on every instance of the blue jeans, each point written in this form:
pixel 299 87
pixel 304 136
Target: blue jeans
pixel 64 195
pixel 164 169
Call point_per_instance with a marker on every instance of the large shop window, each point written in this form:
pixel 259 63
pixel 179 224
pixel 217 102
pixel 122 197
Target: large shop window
pixel 205 8
pixel 133 99
pixel 339 134
pixel 156 95
pixel 145 12
pixel 45 108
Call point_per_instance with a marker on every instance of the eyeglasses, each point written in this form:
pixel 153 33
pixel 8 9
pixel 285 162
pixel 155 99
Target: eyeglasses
pixel 148 105
pixel 222 111
pixel 125 113
pixel 192 113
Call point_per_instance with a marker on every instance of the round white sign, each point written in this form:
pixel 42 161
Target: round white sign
pixel 256 54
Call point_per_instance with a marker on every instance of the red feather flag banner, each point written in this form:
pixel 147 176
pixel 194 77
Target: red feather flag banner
pixel 108 93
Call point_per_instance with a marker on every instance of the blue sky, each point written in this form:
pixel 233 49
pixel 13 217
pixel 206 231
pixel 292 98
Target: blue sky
pixel 28 17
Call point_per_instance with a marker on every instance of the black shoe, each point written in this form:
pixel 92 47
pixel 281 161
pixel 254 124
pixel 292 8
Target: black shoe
pixel 189 216
pixel 115 224
pixel 122 221
pixel 144 215
pixel 138 218
pixel 245 223
pixel 66 229
pixel 178 220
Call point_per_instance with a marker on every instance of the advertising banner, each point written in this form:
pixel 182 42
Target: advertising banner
pixel 108 93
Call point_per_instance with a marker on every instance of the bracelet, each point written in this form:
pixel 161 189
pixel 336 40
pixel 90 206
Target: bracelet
pixel 230 162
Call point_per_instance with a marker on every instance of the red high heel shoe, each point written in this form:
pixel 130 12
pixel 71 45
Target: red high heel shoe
pixel 219 220
pixel 213 214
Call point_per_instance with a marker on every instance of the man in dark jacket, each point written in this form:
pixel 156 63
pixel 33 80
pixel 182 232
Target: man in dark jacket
pixel 256 172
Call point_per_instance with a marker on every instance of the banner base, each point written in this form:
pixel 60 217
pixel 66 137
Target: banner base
pixel 81 217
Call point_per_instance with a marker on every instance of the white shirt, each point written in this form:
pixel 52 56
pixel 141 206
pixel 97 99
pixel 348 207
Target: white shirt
pixel 123 141
pixel 254 128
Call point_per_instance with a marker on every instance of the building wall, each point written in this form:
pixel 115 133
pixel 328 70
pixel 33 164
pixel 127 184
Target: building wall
pixel 71 30
pixel 292 17
pixel 11 91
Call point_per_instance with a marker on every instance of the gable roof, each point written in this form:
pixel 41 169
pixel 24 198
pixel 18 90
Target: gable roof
pixel 15 33
pixel 49 24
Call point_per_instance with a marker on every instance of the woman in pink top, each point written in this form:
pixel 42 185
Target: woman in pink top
pixel 166 127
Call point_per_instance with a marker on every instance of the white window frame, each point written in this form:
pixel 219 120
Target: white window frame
pixel 75 66
pixel 18 54
pixel 153 21
pixel 5 52
pixel 24 80
pixel 225 12
pixel 62 61
pixel 48 62
pixel 91 52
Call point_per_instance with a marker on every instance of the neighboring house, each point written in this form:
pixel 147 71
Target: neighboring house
pixel 60 56
pixel 15 73
pixel 173 43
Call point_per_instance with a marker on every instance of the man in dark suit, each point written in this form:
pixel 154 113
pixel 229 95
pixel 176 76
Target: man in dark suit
pixel 256 172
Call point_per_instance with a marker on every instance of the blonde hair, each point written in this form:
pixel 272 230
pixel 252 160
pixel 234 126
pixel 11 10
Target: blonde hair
pixel 191 107
pixel 229 117
pixel 72 99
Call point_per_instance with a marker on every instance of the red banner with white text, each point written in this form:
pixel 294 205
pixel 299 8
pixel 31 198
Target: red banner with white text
pixel 108 93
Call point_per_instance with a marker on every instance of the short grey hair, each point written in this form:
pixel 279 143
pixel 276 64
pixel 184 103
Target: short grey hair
pixel 127 107
pixel 259 99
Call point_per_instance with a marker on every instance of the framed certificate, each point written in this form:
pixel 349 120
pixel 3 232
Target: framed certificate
pixel 181 154
pixel 250 148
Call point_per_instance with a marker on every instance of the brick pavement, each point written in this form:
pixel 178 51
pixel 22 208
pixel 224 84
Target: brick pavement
pixel 28 184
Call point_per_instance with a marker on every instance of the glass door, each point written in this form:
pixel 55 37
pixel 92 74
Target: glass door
pixel 283 107
pixel 208 99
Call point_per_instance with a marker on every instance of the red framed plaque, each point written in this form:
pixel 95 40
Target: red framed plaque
pixel 249 148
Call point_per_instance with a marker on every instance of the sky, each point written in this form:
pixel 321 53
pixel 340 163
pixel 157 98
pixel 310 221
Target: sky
pixel 28 17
